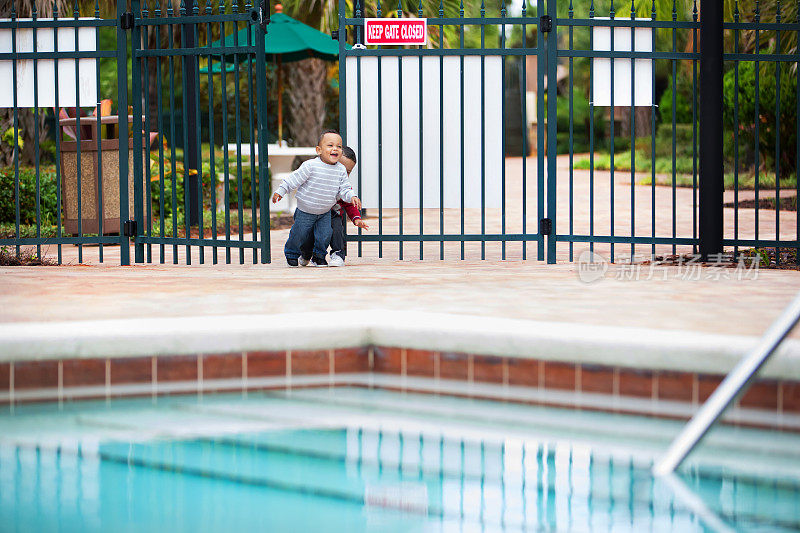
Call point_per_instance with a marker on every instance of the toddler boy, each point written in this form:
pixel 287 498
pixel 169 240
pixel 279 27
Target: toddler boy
pixel 320 182
pixel 339 215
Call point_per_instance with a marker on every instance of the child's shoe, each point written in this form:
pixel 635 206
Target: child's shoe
pixel 336 261
pixel 303 261
pixel 317 261
pixel 292 262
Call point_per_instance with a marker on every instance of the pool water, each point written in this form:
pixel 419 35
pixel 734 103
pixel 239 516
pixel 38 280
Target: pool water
pixel 345 459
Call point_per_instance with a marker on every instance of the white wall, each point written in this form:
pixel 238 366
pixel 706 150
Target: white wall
pixel 643 74
pixel 428 134
pixel 45 68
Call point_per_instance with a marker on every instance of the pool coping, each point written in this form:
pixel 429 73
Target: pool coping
pixel 613 346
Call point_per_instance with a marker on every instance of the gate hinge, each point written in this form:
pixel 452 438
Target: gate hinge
pixel 335 35
pixel 545 226
pixel 126 21
pixel 129 229
pixel 545 23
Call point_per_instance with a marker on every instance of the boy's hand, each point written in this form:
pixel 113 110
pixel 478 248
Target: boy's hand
pixel 356 202
pixel 276 198
pixel 361 224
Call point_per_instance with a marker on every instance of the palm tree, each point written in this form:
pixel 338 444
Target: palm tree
pixel 767 10
pixel 306 79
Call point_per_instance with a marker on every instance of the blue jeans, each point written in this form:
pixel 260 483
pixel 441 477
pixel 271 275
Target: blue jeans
pixel 306 224
pixel 338 237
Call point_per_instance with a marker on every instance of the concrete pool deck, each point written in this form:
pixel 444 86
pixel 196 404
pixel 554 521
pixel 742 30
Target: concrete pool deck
pixel 651 298
pixel 375 313
pixel 671 300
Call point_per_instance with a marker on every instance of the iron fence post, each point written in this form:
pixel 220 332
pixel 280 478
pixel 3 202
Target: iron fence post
pixel 261 87
pixel 541 65
pixel 552 93
pixel 122 99
pixel 342 74
pixel 711 169
pixel 137 163
pixel 190 76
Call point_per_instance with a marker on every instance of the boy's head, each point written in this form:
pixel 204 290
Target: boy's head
pixel 348 159
pixel 329 147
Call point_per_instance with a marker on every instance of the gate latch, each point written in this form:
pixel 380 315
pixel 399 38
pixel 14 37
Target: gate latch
pixel 129 229
pixel 545 23
pixel 545 226
pixel 335 35
pixel 126 21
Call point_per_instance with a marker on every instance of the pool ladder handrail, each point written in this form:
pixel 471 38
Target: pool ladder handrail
pixel 734 384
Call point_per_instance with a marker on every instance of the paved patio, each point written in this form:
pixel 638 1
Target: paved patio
pixel 527 290
pixel 720 301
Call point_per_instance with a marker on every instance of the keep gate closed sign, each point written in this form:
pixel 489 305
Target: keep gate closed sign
pixel 395 31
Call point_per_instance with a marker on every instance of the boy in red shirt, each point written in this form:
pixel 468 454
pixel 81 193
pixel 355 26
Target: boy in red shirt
pixel 338 223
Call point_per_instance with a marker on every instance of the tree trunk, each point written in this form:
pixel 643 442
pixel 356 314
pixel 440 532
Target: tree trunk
pixel 305 100
pixel 642 119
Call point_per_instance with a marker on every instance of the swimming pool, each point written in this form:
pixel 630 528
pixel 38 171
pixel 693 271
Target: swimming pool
pixel 355 459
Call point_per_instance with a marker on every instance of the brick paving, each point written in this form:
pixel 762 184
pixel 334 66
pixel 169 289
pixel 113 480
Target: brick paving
pixel 512 288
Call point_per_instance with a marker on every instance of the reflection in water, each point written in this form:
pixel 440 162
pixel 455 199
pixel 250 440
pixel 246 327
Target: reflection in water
pixel 376 480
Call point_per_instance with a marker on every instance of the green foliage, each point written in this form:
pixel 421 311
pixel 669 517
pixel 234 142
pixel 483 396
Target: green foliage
pixel 208 223
pixel 580 124
pixel 580 113
pixel 683 103
pixel 8 230
pixel 622 162
pixel 684 156
pixel 8 138
pixel 785 132
pixel 766 180
pixel 27 195
pixel 209 187
pixel 684 141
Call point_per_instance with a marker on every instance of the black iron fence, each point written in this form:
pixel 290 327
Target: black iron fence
pixel 545 130
pixel 644 140
pixel 121 86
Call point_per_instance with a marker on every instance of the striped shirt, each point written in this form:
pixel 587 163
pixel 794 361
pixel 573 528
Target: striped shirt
pixel 319 185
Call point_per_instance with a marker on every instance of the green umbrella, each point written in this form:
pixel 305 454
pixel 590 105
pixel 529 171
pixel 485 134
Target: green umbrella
pixel 216 68
pixel 286 40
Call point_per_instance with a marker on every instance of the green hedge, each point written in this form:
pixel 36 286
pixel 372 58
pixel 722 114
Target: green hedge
pixel 27 195
pixel 683 103
pixel 786 131
pixel 209 191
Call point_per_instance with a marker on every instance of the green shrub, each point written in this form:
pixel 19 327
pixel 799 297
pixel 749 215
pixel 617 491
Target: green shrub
pixel 683 103
pixel 209 190
pixel 8 230
pixel 27 195
pixel 580 124
pixel 580 113
pixel 786 130
pixel 683 141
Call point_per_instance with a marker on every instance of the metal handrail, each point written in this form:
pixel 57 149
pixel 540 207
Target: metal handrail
pixel 731 387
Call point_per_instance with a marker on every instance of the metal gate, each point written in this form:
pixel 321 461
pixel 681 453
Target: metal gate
pixel 617 130
pixel 445 133
pixel 432 152
pixel 224 188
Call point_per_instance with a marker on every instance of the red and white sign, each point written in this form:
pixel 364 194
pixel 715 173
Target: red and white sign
pixel 395 31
